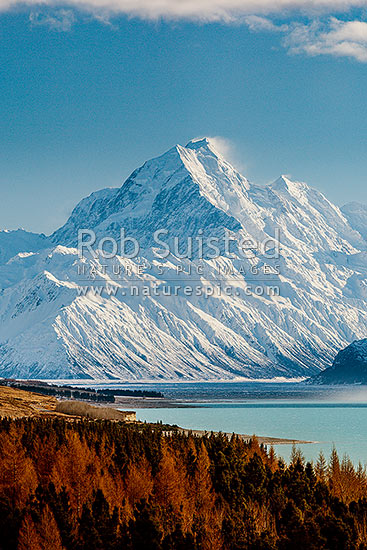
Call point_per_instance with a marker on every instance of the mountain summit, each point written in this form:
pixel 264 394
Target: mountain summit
pixel 181 190
pixel 59 317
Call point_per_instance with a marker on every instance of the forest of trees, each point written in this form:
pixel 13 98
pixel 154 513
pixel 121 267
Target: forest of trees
pixel 70 392
pixel 109 486
pixel 132 393
pixel 67 392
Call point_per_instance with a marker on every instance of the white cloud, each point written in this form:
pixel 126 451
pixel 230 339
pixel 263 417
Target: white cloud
pixel 204 10
pixel 337 38
pixel 59 20
pixel 258 23
pixel 223 145
pixel 333 36
pixel 228 150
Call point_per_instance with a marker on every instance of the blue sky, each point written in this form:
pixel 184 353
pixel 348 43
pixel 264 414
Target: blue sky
pixel 86 96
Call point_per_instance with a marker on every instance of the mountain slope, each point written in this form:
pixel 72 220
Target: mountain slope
pixel 52 325
pixel 356 215
pixel 349 366
pixel 184 190
pixel 19 241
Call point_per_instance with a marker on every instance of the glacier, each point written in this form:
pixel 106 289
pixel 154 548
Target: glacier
pixel 51 328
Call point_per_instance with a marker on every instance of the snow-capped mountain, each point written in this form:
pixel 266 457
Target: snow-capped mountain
pixel 52 326
pixel 20 242
pixel 356 215
pixel 349 366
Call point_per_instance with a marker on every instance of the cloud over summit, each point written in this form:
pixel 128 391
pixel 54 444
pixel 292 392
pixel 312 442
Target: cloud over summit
pixel 205 10
pixel 308 27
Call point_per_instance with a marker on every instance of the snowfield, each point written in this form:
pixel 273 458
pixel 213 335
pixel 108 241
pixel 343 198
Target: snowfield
pixel 50 329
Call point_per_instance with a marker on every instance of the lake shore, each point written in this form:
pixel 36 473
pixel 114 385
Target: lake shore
pixel 264 440
pixel 164 403
pixel 149 403
pixel 19 404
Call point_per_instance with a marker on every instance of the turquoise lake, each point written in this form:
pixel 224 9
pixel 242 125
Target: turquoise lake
pixel 341 424
pixel 329 415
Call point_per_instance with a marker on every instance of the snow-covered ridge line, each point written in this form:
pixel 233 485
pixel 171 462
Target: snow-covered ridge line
pixel 48 329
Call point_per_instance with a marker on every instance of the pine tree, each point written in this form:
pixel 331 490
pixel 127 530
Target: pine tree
pixel 335 475
pixel 203 488
pixel 321 467
pixel 18 477
pixel 208 518
pixel 170 481
pixel 75 467
pixel 49 531
pixel 146 531
pixel 138 482
pixel 29 538
pixel 272 459
pixel 297 457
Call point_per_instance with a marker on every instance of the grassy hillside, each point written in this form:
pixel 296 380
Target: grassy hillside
pixel 15 403
pixel 18 403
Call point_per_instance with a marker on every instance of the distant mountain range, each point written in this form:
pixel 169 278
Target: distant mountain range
pixel 349 366
pixel 49 329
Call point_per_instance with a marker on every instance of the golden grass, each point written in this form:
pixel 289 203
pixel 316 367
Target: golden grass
pixel 16 403
pixel 80 408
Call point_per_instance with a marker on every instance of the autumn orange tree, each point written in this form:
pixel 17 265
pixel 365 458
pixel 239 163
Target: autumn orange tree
pixel 99 485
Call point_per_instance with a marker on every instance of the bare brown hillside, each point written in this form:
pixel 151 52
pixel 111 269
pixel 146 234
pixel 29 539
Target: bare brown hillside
pixel 18 403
